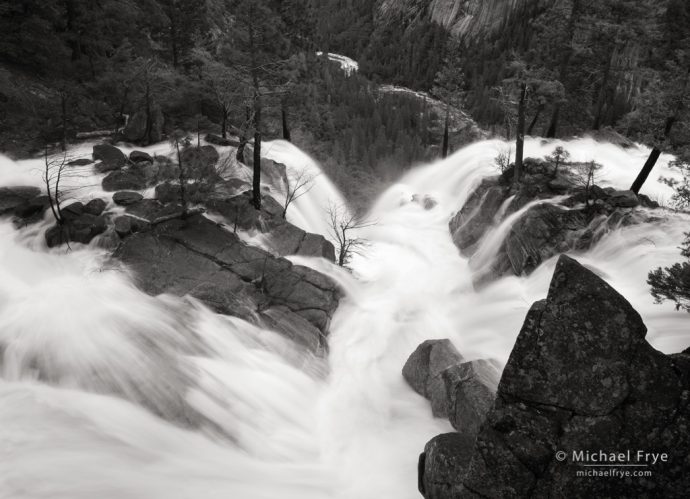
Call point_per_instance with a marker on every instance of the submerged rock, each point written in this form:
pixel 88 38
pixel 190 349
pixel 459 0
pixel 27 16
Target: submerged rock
pixel 582 378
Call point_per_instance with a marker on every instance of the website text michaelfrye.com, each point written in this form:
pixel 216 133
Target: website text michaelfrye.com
pixel 614 464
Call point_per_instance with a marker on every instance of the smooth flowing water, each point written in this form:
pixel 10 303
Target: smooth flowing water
pixel 107 392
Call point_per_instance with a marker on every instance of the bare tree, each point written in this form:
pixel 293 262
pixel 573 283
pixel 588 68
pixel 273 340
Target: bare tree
pixel 298 184
pixel 502 160
pixel 52 176
pixel 586 176
pixel 63 178
pixel 343 227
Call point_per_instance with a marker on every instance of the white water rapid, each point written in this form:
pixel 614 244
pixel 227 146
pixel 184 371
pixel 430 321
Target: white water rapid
pixel 106 392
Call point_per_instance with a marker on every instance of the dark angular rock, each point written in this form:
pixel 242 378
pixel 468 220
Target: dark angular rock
pixel 126 198
pixel 34 207
pixel 72 211
pixel 443 465
pixel 110 157
pixel 95 206
pixel 136 128
pixel 423 371
pixel 13 197
pixel 623 199
pixel 581 377
pixel 124 181
pixel 471 388
pixel 140 157
pixel 198 257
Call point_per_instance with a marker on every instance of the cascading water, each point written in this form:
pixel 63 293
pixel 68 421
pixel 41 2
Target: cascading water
pixel 107 392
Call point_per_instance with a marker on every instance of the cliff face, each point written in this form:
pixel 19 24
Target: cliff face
pixel 463 18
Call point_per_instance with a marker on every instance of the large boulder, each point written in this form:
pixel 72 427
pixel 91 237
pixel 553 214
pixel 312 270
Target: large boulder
pixel 138 130
pixel 32 209
pixel 126 198
pixel 582 379
pixel 443 464
pixel 124 180
pixel 12 198
pixel 95 206
pixel 140 157
pixel 424 369
pixel 110 157
pixel 623 199
pixel 195 256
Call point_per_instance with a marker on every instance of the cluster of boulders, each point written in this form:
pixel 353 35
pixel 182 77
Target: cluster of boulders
pixel 580 381
pixel 459 390
pixel 579 220
pixel 173 247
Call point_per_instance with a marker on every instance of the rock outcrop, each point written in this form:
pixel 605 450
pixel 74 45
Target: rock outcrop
pixel 284 238
pixel 143 129
pixel 195 256
pixel 579 220
pixel 582 380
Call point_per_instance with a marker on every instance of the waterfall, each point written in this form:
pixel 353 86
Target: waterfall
pixel 107 392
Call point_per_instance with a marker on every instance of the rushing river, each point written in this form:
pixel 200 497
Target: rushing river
pixel 109 393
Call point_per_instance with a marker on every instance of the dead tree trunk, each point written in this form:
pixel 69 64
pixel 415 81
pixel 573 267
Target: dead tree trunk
pixel 520 142
pixel 444 151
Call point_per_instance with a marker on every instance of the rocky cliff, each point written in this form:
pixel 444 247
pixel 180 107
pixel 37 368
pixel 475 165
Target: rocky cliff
pixel 581 381
pixel 463 18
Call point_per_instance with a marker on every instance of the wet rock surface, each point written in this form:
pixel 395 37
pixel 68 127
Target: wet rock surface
pixel 110 157
pixel 12 198
pixel 284 238
pixel 424 369
pixel 581 378
pixel 576 222
pixel 198 257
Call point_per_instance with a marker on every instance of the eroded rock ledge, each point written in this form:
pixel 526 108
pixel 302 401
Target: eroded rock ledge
pixel 197 257
pixel 581 218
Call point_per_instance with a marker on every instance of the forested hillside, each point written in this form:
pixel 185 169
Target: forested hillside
pixel 588 65
pixel 141 70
